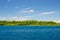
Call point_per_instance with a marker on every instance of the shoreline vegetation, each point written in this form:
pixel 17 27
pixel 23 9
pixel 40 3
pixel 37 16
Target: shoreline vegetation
pixel 28 23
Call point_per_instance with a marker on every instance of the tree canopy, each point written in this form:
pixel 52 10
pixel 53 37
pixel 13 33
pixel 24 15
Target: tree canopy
pixel 29 23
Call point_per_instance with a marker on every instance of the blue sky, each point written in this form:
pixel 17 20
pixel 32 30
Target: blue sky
pixel 29 9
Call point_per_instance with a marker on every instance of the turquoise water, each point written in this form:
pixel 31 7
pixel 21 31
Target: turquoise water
pixel 29 33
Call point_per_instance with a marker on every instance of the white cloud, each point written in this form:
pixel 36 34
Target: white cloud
pixel 44 13
pixel 20 18
pixel 48 13
pixel 16 18
pixel 24 18
pixel 31 17
pixel 3 18
pixel 27 10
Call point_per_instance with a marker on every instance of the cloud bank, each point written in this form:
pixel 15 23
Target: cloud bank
pixel 27 10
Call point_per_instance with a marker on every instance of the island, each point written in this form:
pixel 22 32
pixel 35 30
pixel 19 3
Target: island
pixel 28 23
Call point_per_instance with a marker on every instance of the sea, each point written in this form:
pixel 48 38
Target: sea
pixel 29 32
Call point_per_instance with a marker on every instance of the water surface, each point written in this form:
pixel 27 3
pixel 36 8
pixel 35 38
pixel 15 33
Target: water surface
pixel 29 33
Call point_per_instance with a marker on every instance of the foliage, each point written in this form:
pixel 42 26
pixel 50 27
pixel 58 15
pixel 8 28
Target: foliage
pixel 29 23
